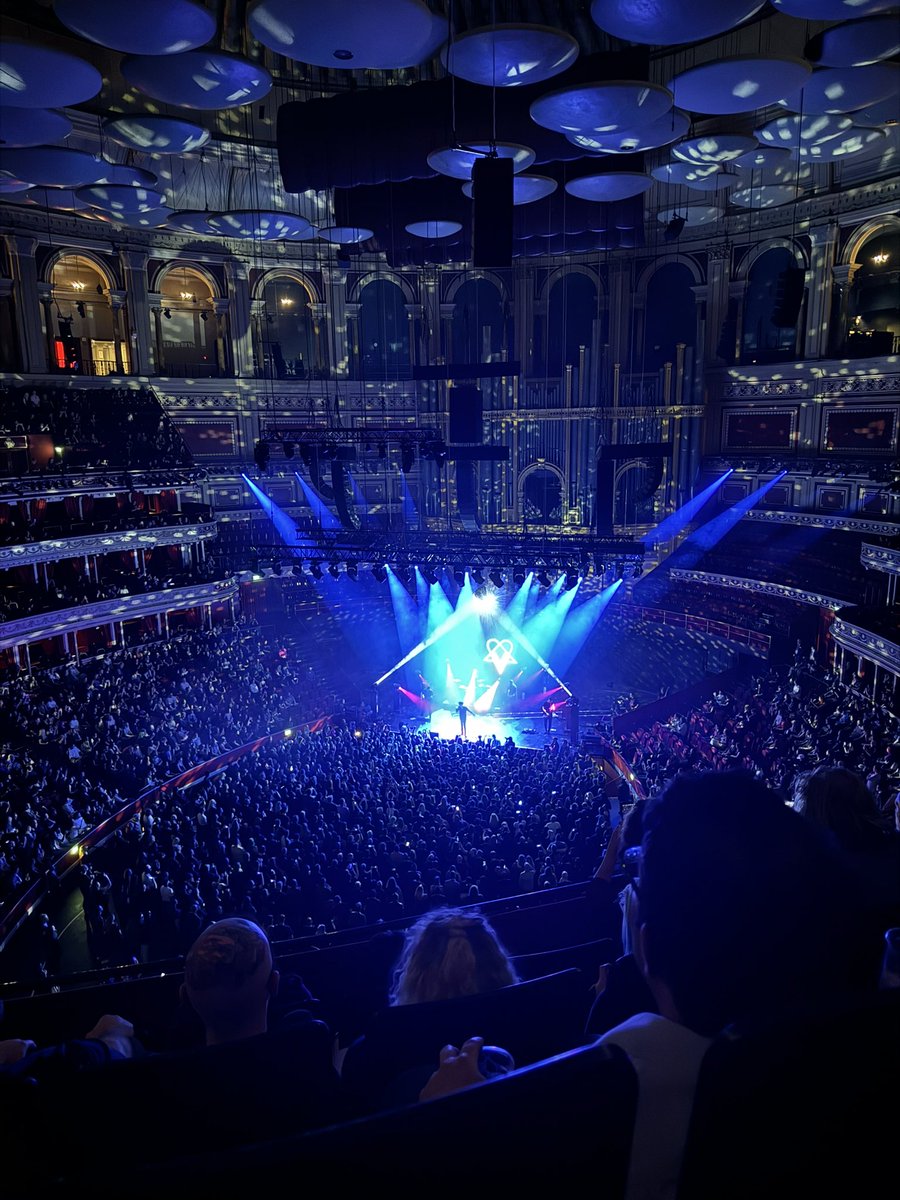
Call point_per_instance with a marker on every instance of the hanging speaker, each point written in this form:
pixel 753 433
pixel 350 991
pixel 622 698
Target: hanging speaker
pixel 465 412
pixel 344 500
pixel 492 212
pixel 467 495
pixel 789 297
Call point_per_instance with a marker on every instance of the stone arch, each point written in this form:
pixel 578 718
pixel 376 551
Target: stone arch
pixel 643 280
pixel 748 260
pixel 177 264
pixel 291 273
pixel 103 266
pixel 560 272
pixel 402 282
pixel 468 276
pixel 865 233
pixel 551 469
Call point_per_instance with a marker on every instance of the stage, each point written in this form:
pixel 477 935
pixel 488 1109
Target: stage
pixel 525 729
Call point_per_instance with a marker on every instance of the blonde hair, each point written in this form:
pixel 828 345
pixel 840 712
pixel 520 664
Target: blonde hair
pixel 448 954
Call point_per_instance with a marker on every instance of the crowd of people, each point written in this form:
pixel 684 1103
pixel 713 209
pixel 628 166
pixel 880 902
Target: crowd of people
pixel 103 427
pixel 64 518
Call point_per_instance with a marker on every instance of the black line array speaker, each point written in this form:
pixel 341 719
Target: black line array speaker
pixel 467 494
pixel 492 212
pixel 465 412
pixel 344 500
pixel 789 297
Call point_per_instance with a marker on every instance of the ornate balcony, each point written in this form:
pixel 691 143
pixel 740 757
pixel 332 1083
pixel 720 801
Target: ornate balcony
pixel 105 543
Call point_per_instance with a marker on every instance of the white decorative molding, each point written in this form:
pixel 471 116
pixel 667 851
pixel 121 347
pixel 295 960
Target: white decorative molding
pixel 875 647
pixel 880 558
pixel 760 587
pixel 865 385
pixel 766 388
pixel 122 608
pixel 105 543
pixel 823 521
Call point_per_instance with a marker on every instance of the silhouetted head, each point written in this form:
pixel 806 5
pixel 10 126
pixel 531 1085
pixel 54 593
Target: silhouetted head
pixel 448 954
pixel 229 979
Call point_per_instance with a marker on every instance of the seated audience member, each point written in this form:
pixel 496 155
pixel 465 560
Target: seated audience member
pixel 450 954
pixel 229 979
pixel 110 1040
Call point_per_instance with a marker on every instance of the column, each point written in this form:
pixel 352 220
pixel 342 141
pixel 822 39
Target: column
pixel 718 293
pixel 117 304
pixel 736 291
pixel 238 282
pixel 431 320
pixel 23 271
pixel 345 338
pixel 824 240
pixel 446 312
pixel 619 308
pixel 158 354
pixel 843 275
pixel 417 352
pixel 221 309
pixel 141 350
pixel 320 366
pixel 260 335
pixel 45 297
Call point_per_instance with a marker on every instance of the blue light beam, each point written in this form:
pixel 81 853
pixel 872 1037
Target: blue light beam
pixel 673 525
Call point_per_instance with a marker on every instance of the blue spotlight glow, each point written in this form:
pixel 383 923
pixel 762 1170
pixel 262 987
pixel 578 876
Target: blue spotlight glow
pixel 456 617
pixel 504 620
pixel 519 603
pixel 696 544
pixel 406 612
pixel 284 525
pixel 485 603
pixel 679 520
pixel 579 625
pixel 322 512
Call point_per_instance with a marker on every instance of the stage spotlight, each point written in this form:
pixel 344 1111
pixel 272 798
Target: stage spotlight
pixel 543 579
pixel 167 313
pixel 352 571
pixel 315 570
pixel 204 316
pixel 261 454
pixel 673 229
pixel 571 582
pixel 638 572
pixel 485 603
pixel 519 576
pixel 80 309
pixel 477 576
pixel 496 578
pixel 459 574
pixel 379 573
pixel 289 449
pixel 429 574
pixel 297 569
pixel 334 569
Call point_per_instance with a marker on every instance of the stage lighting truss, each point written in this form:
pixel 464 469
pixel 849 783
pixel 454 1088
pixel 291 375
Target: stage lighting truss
pixel 326 441
pixel 499 558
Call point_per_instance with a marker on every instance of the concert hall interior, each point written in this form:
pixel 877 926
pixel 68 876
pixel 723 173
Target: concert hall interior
pixel 449 606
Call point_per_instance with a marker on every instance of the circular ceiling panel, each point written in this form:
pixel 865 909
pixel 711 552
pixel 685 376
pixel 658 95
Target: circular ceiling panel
pixel 432 230
pixel 713 147
pixel 883 113
pixel 10 186
pixel 345 235
pixel 616 185
pixel 191 221
pixel 34 76
pixel 53 166
pixel 819 138
pixel 349 34
pixel 121 175
pixel 32 126
pixel 150 27
pixel 668 128
pixel 769 195
pixel 739 84
pixel 692 214
pixel 199 79
pixel 602 107
pixel 147 220
pixel 844 89
pixel 510 55
pixel 670 22
pixel 62 198
pixel 156 135
pixel 856 43
pixel 763 158
pixel 702 177
pixel 261 226
pixel 526 188
pixel 830 10
pixel 122 198
pixel 457 163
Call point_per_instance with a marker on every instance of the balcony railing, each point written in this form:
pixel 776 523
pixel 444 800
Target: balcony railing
pixel 105 543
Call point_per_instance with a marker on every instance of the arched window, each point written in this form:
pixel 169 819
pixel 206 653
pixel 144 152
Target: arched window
pixel 761 339
pixel 571 309
pixel 542 496
pixel 187 325
pixel 287 330
pixel 670 314
pixel 383 331
pixel 478 321
pixel 84 334
pixel 874 307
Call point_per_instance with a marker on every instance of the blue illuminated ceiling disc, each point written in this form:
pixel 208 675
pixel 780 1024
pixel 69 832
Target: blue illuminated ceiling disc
pixel 885 112
pixel 820 138
pixel 61 198
pixel 670 22
pixel 526 188
pixel 845 89
pixel 762 158
pixel 831 10
pixel 713 147
pixel 616 185
pixel 739 84
pixel 156 135
pixel 352 35
pixel 856 43
pixel 122 175
pixel 191 221
pixel 34 76
pixel 602 107
pixel 433 229
pixel 457 163
pixel 770 195
pixel 119 199
pixel 510 55
pixel 693 214
pixel 145 220
pixel 264 226
pixel 702 177
pixel 146 27
pixel 201 79
pixel 53 166
pixel 661 132
pixel 10 186
pixel 32 126
pixel 345 235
